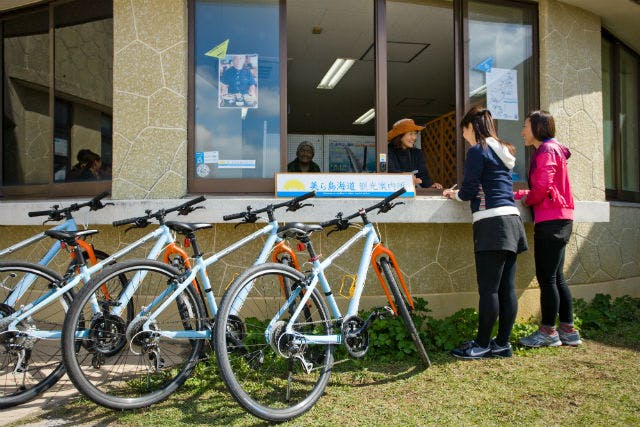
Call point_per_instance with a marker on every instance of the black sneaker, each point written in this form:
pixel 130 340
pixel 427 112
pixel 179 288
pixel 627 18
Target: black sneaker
pixel 471 350
pixel 500 350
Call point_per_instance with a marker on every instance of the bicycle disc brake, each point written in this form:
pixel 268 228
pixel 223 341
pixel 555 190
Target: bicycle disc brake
pixel 355 336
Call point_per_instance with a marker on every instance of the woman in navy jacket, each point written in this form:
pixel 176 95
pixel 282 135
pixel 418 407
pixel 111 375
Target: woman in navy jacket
pixel 498 233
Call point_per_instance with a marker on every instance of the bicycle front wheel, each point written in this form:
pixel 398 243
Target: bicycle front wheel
pixel 272 374
pixel 28 365
pixel 403 310
pixel 115 361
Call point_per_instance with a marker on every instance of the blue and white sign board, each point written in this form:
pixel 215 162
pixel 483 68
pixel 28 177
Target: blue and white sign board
pixel 344 184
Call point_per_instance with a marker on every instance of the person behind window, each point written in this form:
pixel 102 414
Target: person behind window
pixel 304 159
pixel 550 197
pixel 238 79
pixel 498 233
pixel 404 157
pixel 87 168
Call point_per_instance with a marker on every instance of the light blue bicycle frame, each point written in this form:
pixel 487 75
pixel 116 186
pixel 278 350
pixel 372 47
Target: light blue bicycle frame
pixel 163 236
pixel 317 275
pixel 23 285
pixel 155 308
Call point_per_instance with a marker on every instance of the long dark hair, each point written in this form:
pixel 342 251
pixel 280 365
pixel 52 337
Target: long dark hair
pixel 396 142
pixel 483 127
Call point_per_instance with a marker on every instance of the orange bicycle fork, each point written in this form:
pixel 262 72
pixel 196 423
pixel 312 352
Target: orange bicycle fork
pixel 378 251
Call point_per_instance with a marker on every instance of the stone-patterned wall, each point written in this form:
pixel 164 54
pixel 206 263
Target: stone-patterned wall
pixel 436 259
pixel 571 89
pixel 150 99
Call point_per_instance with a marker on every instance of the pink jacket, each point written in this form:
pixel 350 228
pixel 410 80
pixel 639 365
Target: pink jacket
pixel 549 191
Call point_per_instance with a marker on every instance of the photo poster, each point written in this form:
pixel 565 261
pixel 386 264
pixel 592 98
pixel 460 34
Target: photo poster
pixel 238 81
pixel 351 153
pixel 502 93
pixel 294 140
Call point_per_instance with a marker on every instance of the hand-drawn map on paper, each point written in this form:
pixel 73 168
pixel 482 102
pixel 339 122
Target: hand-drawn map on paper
pixel 502 93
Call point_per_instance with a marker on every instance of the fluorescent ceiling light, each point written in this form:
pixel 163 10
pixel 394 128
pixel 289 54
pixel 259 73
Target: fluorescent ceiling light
pixel 370 114
pixel 335 73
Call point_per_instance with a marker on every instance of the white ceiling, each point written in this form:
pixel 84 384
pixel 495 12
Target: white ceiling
pixel 621 17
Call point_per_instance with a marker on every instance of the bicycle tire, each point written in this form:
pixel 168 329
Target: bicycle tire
pixel 403 310
pixel 147 369
pixel 44 366
pixel 269 384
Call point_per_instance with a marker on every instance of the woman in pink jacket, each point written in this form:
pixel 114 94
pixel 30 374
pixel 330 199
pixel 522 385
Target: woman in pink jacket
pixel 549 196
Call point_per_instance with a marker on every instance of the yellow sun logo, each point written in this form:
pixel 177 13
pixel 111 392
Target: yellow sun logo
pixel 294 184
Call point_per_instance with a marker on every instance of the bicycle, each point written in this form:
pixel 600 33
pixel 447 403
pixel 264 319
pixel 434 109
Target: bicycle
pixel 58 214
pixel 30 319
pixel 279 363
pixel 166 336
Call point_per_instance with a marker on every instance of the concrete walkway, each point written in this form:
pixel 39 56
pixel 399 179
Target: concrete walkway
pixel 57 395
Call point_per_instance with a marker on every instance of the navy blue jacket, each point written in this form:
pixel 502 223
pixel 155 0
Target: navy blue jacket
pixel 487 182
pixel 408 160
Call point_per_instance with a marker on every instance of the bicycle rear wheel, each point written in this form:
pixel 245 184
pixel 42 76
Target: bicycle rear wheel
pixel 262 366
pixel 112 360
pixel 403 310
pixel 28 366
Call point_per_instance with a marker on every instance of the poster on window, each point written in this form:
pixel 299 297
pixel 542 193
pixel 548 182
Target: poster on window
pixel 502 93
pixel 350 153
pixel 238 81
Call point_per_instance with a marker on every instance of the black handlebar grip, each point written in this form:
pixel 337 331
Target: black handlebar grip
pixel 233 216
pixel 394 195
pixel 100 196
pixel 304 196
pixel 39 213
pixel 120 222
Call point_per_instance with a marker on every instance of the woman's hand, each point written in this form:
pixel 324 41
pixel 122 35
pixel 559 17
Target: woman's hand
pixel 437 186
pixel 449 194
pixel 416 180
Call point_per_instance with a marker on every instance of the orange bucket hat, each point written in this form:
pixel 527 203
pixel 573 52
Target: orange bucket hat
pixel 401 127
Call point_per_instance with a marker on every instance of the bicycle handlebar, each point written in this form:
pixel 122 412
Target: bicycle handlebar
pixel 57 214
pixel 384 206
pixel 143 221
pixel 291 205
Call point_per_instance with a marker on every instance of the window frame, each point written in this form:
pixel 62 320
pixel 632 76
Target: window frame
pixel 52 188
pixel 617 45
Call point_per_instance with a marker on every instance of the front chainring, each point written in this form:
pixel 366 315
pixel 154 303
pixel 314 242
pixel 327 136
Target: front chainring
pixel 355 340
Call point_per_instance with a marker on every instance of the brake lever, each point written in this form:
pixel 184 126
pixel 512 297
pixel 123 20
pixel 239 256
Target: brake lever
pixel 249 218
pixel 188 210
pixel 294 207
pixel 388 206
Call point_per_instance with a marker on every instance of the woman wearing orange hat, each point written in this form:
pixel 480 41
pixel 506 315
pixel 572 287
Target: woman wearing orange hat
pixel 404 157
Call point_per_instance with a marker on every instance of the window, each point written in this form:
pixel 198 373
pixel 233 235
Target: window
pixel 53 128
pixel 236 120
pixel 621 97
pixel 501 69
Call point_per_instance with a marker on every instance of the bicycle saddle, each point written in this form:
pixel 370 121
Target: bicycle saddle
pixel 297 230
pixel 187 227
pixel 68 236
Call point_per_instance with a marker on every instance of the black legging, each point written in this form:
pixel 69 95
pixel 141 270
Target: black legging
pixel 496 273
pixel 555 296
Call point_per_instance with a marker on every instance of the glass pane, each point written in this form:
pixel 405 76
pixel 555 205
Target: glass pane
pixel 237 89
pixel 421 79
pixel 629 136
pixel 609 165
pixel 83 90
pixel 319 35
pixel 501 69
pixel 26 148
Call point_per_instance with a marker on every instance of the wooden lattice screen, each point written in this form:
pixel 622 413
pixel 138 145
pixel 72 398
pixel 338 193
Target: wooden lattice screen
pixel 439 149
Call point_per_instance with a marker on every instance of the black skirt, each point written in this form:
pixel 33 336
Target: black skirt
pixel 500 233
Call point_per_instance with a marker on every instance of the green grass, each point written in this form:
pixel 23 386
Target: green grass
pixel 594 384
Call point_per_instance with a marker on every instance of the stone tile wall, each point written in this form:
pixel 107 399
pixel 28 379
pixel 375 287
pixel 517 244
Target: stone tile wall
pixel 150 99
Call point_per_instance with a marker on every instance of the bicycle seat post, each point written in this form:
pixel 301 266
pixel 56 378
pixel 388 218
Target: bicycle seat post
pixel 194 245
